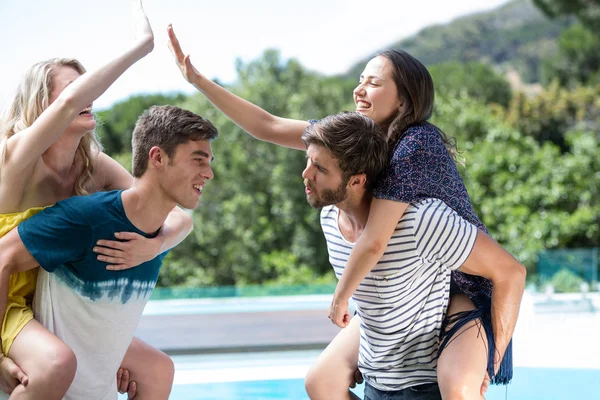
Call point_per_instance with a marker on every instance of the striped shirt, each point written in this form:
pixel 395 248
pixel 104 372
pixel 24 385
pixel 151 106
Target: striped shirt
pixel 403 300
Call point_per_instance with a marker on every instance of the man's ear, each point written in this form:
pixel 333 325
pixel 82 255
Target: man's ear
pixel 157 157
pixel 357 181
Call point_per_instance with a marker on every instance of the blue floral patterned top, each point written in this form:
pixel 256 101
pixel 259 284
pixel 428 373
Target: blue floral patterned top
pixel 421 167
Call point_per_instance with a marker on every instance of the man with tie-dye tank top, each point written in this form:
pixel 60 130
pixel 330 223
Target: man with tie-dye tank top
pixel 92 309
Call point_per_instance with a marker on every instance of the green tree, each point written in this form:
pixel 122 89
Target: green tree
pixel 474 79
pixel 577 60
pixel 531 195
pixel 116 124
pixel 548 116
pixel 254 224
pixel 587 11
pixel 532 171
pixel 566 281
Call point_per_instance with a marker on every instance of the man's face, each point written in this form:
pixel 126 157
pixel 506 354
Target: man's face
pixel 185 174
pixel 323 178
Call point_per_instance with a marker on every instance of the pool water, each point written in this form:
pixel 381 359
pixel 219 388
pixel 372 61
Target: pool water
pixel 562 366
pixel 528 384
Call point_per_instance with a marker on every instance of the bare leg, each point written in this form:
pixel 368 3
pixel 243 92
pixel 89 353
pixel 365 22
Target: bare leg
pixel 48 362
pixel 331 375
pixel 462 365
pixel 152 371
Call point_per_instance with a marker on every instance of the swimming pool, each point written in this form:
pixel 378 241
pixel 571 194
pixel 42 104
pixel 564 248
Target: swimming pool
pixel 237 305
pixel 528 384
pixel 556 357
pixel 279 376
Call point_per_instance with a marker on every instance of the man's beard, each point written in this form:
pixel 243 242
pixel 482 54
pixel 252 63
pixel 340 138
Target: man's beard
pixel 328 197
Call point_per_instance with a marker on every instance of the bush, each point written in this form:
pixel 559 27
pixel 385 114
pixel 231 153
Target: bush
pixel 566 281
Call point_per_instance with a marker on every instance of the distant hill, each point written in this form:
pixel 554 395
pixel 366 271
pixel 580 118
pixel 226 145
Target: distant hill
pixel 516 36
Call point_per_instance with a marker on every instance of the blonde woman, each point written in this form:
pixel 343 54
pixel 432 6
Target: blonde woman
pixel 48 152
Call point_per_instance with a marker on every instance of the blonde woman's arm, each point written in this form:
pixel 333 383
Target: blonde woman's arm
pixel 25 148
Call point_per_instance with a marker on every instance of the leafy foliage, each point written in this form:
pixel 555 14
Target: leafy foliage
pixel 587 11
pixel 532 164
pixel 254 224
pixel 549 116
pixel 473 79
pixel 566 281
pixel 116 125
pixel 577 60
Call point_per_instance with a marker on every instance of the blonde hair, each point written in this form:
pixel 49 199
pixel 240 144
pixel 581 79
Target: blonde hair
pixel 31 99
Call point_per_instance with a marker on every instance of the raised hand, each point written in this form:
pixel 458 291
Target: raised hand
pixel 143 30
pixel 189 72
pixel 45 130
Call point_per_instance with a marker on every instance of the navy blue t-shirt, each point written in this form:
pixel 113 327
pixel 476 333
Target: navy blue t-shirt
pixel 93 310
pixel 61 239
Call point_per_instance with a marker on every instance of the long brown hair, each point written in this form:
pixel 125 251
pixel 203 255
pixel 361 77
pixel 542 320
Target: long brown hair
pixel 415 88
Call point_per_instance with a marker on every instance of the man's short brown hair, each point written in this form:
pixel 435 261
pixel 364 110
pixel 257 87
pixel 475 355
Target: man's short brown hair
pixel 355 141
pixel 166 127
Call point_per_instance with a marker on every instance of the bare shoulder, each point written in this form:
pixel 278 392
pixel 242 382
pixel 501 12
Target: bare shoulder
pixel 109 174
pixel 18 185
pixel 98 180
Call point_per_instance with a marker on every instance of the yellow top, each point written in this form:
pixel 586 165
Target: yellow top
pixel 21 286
pixel 11 220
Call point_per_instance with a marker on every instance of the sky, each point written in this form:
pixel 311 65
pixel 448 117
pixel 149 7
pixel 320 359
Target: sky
pixel 328 36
